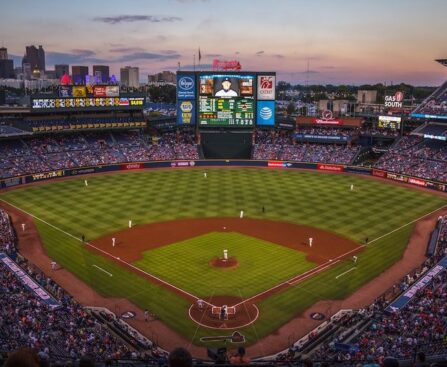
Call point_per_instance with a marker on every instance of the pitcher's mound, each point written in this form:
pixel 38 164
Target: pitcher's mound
pixel 220 262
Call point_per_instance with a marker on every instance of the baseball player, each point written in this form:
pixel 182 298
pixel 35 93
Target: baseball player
pixel 310 241
pixel 200 304
pixel 241 215
pixel 23 227
pixel 113 241
pixel 130 223
pixel 204 174
pixel 85 183
pixel 53 265
pixel 352 187
pixel 354 259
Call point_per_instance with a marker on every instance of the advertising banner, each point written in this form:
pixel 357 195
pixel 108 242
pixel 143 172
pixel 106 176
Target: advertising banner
pixel 394 101
pixel 29 283
pixel 378 173
pixel 183 164
pixel 265 115
pixel 186 112
pixel 266 87
pixel 327 138
pixel 186 86
pixel 79 91
pixel 417 181
pixel 47 175
pixel 130 166
pixel 112 91
pixel 278 164
pixel 330 167
pixel 99 91
pixel 411 292
pixel 65 91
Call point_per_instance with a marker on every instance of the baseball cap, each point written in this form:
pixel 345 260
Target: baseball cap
pixel 226 79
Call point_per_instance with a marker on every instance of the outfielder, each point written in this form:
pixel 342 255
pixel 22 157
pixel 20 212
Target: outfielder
pixel 85 183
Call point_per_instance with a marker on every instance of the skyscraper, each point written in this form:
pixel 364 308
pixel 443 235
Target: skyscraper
pixel 35 57
pixel 61 70
pixel 79 73
pixel 101 73
pixel 3 53
pixel 130 76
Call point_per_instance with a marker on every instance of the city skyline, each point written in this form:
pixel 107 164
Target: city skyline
pixel 328 42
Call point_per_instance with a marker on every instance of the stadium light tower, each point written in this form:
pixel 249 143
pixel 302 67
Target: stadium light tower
pixel 442 61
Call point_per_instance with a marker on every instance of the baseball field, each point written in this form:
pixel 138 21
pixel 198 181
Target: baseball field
pixel 182 222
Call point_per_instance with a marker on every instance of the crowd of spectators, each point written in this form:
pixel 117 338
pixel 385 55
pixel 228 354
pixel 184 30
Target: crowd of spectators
pixel 436 104
pixel 53 152
pixel 66 333
pixel 419 327
pixel 67 122
pixel 414 156
pixel 281 146
pixel 325 131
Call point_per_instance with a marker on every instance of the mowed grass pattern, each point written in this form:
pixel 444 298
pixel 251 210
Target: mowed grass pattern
pixel 261 264
pixel 372 210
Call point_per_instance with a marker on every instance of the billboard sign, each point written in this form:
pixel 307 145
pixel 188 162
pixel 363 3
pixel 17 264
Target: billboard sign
pixel 265 113
pixel 266 87
pixel 394 101
pixel 186 113
pixel 186 86
pixel 106 91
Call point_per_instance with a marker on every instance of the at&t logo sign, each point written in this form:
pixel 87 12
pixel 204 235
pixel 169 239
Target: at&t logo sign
pixel 266 113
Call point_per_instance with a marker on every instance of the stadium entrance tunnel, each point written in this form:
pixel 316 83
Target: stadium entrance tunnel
pixel 223 312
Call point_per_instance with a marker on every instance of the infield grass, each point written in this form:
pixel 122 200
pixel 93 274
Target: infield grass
pixel 261 264
pixel 372 210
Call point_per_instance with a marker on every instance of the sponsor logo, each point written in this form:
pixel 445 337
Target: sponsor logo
pixel 330 167
pixel 186 83
pixel 82 171
pixel 327 115
pixel 317 316
pixel 395 101
pixel 417 181
pixel 128 315
pixel 266 82
pixel 278 164
pixel 395 177
pixel 266 113
pixel 12 182
pixel 130 166
pixel 183 164
pixel 186 106
pixel 44 176
pixel 378 173
pixel 328 122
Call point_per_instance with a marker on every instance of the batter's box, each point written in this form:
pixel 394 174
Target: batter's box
pixel 217 311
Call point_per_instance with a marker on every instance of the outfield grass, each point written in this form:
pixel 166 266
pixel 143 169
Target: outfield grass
pixel 261 264
pixel 372 210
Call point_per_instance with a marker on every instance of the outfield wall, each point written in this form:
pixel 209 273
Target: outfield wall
pixel 337 168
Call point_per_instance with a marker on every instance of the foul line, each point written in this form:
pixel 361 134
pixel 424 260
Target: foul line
pixel 346 272
pixel 407 224
pixel 105 271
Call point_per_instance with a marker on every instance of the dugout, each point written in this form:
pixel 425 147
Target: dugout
pixel 226 144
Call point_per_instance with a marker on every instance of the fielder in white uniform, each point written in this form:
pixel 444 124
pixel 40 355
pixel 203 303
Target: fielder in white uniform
pixel 310 241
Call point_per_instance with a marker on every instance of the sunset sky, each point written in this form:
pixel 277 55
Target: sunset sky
pixel 345 41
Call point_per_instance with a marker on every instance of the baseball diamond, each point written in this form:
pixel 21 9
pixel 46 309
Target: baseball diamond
pixel 182 222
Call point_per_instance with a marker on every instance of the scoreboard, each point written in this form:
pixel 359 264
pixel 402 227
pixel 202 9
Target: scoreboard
pixel 389 122
pixel 226 99
pixel 226 111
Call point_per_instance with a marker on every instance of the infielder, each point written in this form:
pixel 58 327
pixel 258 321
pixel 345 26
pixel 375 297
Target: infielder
pixel 200 304
pixel 113 242
pixel 241 215
pixel 310 241
pixel 85 183
pixel 204 174
pixel 354 259
pixel 53 265
pixel 130 223
pixel 352 187
pixel 23 227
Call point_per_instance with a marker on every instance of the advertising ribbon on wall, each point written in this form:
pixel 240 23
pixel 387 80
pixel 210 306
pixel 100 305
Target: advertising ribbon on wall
pixel 29 283
pixel 399 303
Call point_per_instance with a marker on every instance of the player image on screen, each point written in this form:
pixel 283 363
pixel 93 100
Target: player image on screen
pixel 227 89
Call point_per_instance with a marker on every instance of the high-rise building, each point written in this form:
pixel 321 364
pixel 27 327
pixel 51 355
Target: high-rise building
pixel 26 67
pixel 130 76
pixel 165 77
pixel 35 57
pixel 3 53
pixel 79 73
pixel 101 73
pixel 61 70
pixel 6 69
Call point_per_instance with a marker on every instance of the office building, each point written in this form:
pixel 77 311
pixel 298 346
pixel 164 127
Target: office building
pixel 130 77
pixel 101 74
pixel 79 73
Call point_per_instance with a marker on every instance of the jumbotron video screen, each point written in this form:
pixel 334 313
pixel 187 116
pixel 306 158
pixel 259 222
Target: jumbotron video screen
pixel 226 99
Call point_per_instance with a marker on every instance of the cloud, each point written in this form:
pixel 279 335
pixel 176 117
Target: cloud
pixel 278 56
pixel 126 49
pixel 83 52
pixel 168 52
pixel 53 58
pixel 259 53
pixel 136 18
pixel 148 56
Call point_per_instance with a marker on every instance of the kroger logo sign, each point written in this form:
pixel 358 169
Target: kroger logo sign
pixel 186 83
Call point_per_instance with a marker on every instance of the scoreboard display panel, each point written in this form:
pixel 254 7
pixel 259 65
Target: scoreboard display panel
pixel 226 100
pixel 389 122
